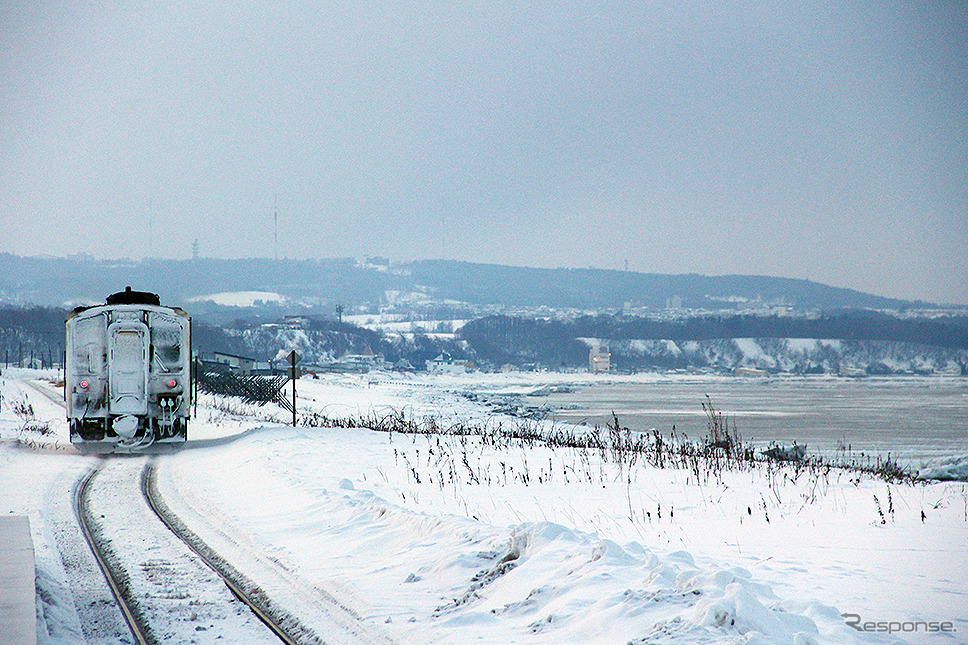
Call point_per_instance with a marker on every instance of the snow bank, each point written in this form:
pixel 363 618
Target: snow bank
pixel 429 538
pixel 432 576
pixel 581 588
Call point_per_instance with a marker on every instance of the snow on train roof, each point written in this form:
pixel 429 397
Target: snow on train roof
pixel 129 297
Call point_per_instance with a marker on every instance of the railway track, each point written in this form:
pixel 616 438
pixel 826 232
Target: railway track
pixel 284 628
pixel 57 396
pixel 251 596
pixel 156 566
pixel 128 610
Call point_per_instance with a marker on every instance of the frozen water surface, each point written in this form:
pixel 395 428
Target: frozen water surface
pixel 911 418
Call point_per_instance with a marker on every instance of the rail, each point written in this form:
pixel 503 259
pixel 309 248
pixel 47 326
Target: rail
pixel 251 596
pixel 248 594
pixel 131 616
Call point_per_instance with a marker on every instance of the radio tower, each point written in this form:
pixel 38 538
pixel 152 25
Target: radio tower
pixel 275 225
pixel 151 214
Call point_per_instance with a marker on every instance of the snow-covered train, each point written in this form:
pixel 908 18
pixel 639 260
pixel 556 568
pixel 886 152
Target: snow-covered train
pixel 128 377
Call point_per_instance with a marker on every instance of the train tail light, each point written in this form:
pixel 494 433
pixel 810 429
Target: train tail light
pixel 172 383
pixel 83 385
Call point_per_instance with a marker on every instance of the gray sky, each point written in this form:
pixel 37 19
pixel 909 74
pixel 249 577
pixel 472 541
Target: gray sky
pixel 826 141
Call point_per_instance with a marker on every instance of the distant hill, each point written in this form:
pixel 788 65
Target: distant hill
pixel 597 288
pixel 874 342
pixel 63 282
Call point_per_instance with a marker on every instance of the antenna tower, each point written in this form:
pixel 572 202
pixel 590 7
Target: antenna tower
pixel 151 235
pixel 275 225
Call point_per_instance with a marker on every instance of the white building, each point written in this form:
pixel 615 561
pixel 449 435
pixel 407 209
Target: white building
pixel 241 364
pixel 599 358
pixel 444 364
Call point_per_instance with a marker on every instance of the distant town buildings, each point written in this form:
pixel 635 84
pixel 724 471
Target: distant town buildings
pixel 749 371
pixel 444 364
pixel 362 362
pixel 235 363
pixel 296 322
pixel 675 302
pixel 599 358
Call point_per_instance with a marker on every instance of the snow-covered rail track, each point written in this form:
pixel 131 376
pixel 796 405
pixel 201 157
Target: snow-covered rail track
pixel 57 396
pixel 128 610
pixel 173 575
pixel 168 590
pixel 119 579
pixel 277 621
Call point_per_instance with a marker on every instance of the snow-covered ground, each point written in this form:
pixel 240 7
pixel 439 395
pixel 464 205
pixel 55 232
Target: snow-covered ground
pixel 459 539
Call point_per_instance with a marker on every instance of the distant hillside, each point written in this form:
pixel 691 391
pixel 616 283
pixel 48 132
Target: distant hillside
pixel 869 342
pixel 597 288
pixel 38 333
pixel 67 281
pixel 875 343
pixel 322 283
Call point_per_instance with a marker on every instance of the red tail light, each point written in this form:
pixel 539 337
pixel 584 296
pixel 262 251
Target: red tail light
pixel 172 383
pixel 83 385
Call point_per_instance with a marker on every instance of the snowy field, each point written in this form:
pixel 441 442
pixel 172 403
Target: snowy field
pixel 454 539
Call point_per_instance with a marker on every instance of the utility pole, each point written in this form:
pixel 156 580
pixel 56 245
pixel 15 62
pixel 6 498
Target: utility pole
pixel 339 312
pixel 293 358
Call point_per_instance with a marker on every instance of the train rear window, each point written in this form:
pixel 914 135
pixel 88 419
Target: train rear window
pixel 168 353
pixel 167 340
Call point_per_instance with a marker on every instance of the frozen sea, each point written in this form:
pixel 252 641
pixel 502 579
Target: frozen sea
pixel 911 418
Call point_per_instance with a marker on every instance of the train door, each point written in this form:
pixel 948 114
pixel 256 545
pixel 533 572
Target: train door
pixel 128 368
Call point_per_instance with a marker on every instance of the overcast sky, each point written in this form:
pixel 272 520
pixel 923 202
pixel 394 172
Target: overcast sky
pixel 826 141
